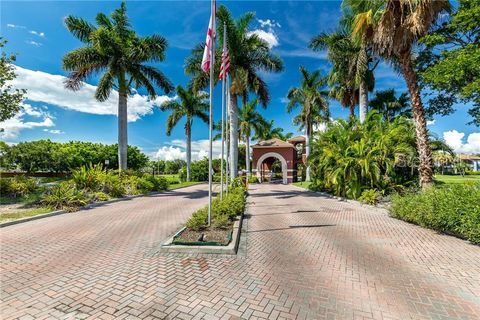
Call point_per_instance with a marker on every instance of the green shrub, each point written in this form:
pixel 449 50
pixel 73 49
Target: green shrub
pixel 113 186
pixel 144 185
pixel 370 196
pixel 159 183
pixel 90 177
pixel 101 196
pixel 253 179
pixel 239 182
pixel 451 208
pixel 130 184
pixel 221 222
pixel 17 186
pixel 64 196
pixel 224 211
pixel 199 219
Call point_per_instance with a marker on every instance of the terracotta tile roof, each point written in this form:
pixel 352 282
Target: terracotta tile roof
pixel 273 143
pixel 468 157
pixel 297 139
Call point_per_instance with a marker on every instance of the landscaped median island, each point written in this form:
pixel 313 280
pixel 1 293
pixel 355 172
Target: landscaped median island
pixel 227 214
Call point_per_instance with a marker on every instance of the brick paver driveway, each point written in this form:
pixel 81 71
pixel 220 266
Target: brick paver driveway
pixel 306 256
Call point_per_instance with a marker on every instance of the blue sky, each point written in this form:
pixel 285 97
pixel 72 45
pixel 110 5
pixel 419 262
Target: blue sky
pixel 35 32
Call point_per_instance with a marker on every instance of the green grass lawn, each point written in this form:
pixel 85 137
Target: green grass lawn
pixel 28 199
pixel 302 184
pixel 448 179
pixel 177 183
pixel 24 213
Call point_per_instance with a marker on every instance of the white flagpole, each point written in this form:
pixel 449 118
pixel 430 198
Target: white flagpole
pixel 223 113
pixel 210 123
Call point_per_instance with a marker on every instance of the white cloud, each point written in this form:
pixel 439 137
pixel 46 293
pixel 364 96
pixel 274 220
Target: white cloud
pixel 49 88
pixel 454 140
pixel 431 122
pixel 34 43
pixel 37 33
pixel 268 36
pixel 12 127
pixel 177 150
pixel 15 26
pixel 269 23
pixel 54 131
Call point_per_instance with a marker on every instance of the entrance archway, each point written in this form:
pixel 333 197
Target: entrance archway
pixel 276 156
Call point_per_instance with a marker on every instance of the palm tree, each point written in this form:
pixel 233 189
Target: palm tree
pixel 314 105
pixel 115 50
pixel 248 55
pixel 351 76
pixel 393 34
pixel 269 132
pixel 387 103
pixel 250 119
pixel 191 105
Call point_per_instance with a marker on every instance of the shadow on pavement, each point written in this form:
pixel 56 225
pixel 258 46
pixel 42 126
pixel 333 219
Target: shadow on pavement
pixel 295 227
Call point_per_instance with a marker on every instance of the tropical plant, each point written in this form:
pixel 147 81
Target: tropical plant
pixel 114 49
pixel 249 55
pixel 387 103
pixel 250 119
pixel 65 196
pixel 313 103
pixel 349 157
pixel 269 132
pixel 393 33
pixel 191 105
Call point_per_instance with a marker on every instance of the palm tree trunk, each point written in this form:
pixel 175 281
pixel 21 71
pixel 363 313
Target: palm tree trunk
pixel 307 151
pixel 188 130
pixel 363 100
pixel 247 154
pixel 423 147
pixel 122 130
pixel 233 136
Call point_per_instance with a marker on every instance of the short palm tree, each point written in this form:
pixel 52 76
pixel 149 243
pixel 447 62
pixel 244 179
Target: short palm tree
pixel 387 103
pixel 269 132
pixel 313 103
pixel 248 55
pixel 250 119
pixel 393 35
pixel 114 49
pixel 191 105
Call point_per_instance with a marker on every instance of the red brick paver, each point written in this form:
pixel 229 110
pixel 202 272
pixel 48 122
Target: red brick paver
pixel 306 257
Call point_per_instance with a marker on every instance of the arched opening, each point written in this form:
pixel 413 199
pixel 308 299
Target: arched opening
pixel 272 167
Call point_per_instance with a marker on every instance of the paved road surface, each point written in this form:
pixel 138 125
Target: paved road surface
pixel 306 256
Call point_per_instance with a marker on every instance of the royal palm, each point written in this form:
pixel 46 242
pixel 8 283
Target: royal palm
pixel 113 50
pixel 191 105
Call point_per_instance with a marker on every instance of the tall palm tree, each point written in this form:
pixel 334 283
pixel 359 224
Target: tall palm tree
pixel 250 119
pixel 191 105
pixel 351 76
pixel 393 35
pixel 248 55
pixel 313 103
pixel 115 50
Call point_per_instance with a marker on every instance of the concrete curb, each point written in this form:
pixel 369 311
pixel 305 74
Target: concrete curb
pixel 86 207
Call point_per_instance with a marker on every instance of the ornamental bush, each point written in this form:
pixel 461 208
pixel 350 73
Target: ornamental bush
pixel 65 196
pixel 18 186
pixel 453 209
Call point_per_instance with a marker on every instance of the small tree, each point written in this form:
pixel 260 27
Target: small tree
pixel 10 99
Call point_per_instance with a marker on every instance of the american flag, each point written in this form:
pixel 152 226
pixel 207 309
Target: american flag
pixel 225 67
pixel 207 52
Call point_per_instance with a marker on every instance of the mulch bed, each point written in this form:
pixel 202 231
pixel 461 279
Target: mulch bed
pixel 211 235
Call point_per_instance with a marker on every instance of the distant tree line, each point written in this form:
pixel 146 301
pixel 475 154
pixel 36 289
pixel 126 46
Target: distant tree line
pixel 49 156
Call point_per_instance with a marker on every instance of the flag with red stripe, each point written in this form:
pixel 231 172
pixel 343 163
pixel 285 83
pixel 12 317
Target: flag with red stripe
pixel 207 52
pixel 225 67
